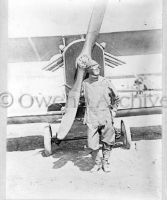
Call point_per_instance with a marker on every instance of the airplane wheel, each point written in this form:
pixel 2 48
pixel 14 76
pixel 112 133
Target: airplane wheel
pixel 47 140
pixel 125 130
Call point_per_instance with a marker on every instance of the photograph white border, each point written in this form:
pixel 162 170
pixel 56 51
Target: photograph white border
pixel 3 87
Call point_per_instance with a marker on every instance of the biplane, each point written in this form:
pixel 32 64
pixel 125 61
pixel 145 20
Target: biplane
pixel 62 51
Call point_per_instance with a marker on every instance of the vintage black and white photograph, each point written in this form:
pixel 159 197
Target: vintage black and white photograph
pixel 84 100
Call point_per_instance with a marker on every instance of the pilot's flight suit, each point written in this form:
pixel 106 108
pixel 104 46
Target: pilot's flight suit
pixel 101 99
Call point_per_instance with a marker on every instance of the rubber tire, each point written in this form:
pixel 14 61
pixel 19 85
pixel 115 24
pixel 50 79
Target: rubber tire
pixel 125 129
pixel 47 140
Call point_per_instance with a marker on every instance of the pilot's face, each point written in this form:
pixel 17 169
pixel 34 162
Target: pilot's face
pixel 94 70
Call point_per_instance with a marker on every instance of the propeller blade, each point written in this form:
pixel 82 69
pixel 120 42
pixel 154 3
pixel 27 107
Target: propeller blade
pixel 74 94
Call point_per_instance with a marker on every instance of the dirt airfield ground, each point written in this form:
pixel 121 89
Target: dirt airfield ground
pixel 136 173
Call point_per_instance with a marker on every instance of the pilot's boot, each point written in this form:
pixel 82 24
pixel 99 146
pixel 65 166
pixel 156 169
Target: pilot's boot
pixel 97 159
pixel 106 150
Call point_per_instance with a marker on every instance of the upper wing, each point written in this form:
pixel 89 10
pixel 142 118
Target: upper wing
pixel 118 44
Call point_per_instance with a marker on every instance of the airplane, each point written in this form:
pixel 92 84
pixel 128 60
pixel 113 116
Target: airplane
pixel 113 46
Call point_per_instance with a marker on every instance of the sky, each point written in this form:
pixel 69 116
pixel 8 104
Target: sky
pixel 29 18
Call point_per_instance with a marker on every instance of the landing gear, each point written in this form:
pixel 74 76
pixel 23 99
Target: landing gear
pixel 47 140
pixel 122 135
pixel 125 132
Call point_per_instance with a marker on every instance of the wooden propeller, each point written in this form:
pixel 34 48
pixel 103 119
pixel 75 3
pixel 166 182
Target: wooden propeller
pixel 81 62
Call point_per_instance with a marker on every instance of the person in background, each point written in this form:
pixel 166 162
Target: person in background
pixel 140 85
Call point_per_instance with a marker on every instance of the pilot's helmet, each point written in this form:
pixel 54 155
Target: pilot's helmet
pixel 93 65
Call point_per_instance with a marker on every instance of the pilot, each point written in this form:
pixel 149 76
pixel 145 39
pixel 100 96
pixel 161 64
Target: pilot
pixel 101 102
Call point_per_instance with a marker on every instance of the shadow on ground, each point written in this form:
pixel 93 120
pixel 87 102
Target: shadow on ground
pixel 81 159
pixel 76 153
